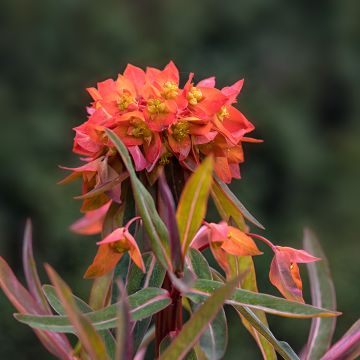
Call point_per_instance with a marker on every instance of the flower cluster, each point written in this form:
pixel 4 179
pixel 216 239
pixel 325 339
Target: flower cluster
pixel 157 119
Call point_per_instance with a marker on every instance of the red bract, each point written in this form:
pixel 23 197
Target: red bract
pixel 284 271
pixel 155 118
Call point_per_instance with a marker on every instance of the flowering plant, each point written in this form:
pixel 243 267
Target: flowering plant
pixel 153 153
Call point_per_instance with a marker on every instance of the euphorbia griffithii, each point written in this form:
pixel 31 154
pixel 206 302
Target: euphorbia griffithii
pixel 151 148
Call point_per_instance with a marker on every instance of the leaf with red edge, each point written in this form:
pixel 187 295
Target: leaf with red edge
pixel 86 333
pixel 166 206
pixel 348 347
pixel 22 300
pixel 322 295
pixel 30 270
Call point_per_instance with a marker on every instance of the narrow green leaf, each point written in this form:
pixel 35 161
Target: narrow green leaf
pixel 268 303
pixel 281 347
pixel 156 229
pixel 56 304
pixel 89 338
pixel 143 304
pixel 198 264
pixel 193 202
pixel 198 322
pixel 231 204
pixel 322 295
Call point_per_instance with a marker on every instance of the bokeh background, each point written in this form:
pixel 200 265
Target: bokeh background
pixel 300 60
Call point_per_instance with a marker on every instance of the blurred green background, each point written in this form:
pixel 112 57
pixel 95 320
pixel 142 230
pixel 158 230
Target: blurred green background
pixel 300 60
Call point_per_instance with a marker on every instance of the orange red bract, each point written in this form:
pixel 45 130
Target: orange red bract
pixel 155 117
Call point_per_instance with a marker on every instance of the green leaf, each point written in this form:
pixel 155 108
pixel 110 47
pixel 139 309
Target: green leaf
pixel 214 340
pixel 198 264
pixel 281 347
pixel 56 304
pixel 143 304
pixel 244 266
pixel 198 322
pixel 156 229
pixel 193 202
pixel 230 204
pixel 89 338
pixel 322 295
pixel 268 303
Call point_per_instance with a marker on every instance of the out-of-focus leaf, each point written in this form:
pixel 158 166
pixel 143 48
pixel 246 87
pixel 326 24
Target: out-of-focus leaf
pixel 143 304
pixel 22 300
pixel 166 208
pixel 30 270
pixel 281 347
pixel 191 355
pixel 147 339
pixel 156 229
pixel 268 303
pixel 214 340
pixel 230 203
pixel 198 322
pixel 193 201
pixel 56 304
pixel 89 338
pixel 322 295
pixel 136 280
pixel 124 341
pixel 348 347
pixel 244 266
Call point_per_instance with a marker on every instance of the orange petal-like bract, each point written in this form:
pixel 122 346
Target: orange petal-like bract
pixel 284 271
pixel 110 251
pixel 157 118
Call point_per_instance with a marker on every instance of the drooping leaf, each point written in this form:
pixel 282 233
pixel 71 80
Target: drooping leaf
pixel 56 304
pixel 156 229
pixel 348 347
pixel 322 295
pixel 198 322
pixel 166 208
pixel 281 347
pixel 193 202
pixel 124 344
pixel 268 303
pixel 231 204
pixel 30 270
pixel 143 304
pixel 89 338
pixel 22 300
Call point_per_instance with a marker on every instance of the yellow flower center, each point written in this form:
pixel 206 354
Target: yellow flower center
pixel 165 159
pixel 194 95
pixel 291 266
pixel 140 129
pixel 156 106
pixel 171 90
pixel 124 101
pixel 180 130
pixel 229 235
pixel 119 246
pixel 223 113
